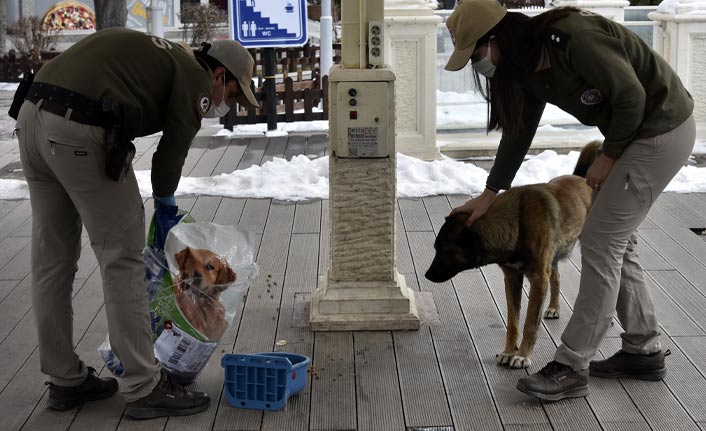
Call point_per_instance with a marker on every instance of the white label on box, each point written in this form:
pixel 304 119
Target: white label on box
pixel 363 141
pixel 182 352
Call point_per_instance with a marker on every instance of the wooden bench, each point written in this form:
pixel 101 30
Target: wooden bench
pixel 291 96
pixel 299 86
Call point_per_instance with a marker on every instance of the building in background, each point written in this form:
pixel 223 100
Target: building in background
pixel 72 14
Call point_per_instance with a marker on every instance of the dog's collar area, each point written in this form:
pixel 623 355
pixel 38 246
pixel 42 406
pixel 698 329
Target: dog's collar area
pixel 190 285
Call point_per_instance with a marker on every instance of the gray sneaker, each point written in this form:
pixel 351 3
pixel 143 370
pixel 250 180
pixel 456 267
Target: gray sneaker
pixel 555 382
pixel 631 365
pixel 168 399
pixel 92 389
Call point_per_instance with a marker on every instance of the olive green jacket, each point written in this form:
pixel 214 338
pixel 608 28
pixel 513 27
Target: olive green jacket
pixel 161 79
pixel 604 75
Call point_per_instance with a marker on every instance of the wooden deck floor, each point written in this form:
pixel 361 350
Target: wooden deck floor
pixel 440 378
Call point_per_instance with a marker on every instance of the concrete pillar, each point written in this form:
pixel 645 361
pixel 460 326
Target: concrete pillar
pixel 683 45
pixel 362 289
pixel 12 12
pixel 410 50
pixel 28 8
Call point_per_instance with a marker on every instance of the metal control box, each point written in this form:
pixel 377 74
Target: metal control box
pixel 362 113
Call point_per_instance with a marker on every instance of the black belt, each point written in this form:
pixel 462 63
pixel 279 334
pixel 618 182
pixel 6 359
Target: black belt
pixel 59 101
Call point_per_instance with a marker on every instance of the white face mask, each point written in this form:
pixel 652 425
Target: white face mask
pixel 485 66
pixel 222 108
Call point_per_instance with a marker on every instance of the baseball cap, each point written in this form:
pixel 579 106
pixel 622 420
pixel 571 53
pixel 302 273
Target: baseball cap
pixel 239 62
pixel 470 20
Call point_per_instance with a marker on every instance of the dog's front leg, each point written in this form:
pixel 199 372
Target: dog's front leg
pixel 513 296
pixel 552 311
pixel 538 291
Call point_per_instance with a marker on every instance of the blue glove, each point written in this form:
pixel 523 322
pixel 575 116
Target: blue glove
pixel 169 201
pixel 165 216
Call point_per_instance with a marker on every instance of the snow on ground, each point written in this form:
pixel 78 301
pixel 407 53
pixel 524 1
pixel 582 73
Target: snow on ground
pixel 302 178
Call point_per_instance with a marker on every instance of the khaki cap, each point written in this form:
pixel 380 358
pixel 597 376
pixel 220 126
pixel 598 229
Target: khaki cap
pixel 239 62
pixel 470 20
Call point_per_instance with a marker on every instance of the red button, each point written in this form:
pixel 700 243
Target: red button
pixel 354 115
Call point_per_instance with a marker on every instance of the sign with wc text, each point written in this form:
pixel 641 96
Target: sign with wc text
pixel 268 23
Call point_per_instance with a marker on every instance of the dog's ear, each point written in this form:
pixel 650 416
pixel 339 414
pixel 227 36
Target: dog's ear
pixel 454 226
pixel 462 218
pixel 470 241
pixel 458 219
pixel 183 257
pixel 457 216
pixel 226 275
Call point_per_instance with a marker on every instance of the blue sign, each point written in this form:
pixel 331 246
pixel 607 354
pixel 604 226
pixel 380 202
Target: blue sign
pixel 269 23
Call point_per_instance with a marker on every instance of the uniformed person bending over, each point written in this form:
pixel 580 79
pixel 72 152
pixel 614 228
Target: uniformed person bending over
pixel 75 130
pixel 605 76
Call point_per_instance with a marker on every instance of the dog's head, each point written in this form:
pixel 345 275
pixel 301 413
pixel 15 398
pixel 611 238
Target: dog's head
pixel 458 248
pixel 205 270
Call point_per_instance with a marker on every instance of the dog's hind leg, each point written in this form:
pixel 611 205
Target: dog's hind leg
pixel 513 296
pixel 552 311
pixel 537 293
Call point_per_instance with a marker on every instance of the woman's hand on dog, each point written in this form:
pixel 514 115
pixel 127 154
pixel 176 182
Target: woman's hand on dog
pixel 476 207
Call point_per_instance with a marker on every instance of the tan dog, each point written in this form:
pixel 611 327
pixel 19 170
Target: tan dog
pixel 203 276
pixel 526 231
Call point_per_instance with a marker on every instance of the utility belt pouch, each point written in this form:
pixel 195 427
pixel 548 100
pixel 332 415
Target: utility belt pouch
pixel 120 153
pixel 20 94
pixel 118 138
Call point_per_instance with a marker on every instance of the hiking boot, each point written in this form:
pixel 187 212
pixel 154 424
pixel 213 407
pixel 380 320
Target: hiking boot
pixel 93 388
pixel 555 382
pixel 632 365
pixel 168 399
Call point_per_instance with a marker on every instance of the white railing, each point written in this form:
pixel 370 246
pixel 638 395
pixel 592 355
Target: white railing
pixel 462 81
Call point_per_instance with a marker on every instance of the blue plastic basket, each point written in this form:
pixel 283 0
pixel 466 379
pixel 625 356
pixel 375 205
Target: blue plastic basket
pixel 264 381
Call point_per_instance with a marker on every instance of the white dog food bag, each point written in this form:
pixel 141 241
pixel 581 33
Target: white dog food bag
pixel 181 348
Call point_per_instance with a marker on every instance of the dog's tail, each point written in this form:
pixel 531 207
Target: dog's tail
pixel 588 155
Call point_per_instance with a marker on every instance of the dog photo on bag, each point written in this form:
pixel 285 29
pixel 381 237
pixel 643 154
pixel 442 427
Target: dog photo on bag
pixel 527 230
pixel 203 276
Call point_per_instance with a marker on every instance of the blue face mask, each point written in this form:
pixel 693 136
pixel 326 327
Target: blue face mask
pixel 484 66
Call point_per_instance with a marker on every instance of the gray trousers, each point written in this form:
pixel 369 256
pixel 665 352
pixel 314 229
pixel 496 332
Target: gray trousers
pixel 611 276
pixel 63 162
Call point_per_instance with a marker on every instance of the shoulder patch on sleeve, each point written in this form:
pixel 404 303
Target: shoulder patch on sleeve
pixel 558 39
pixel 204 103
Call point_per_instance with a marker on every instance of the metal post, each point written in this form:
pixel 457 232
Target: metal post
pixel 155 12
pixel 326 25
pixel 3 27
pixel 269 64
